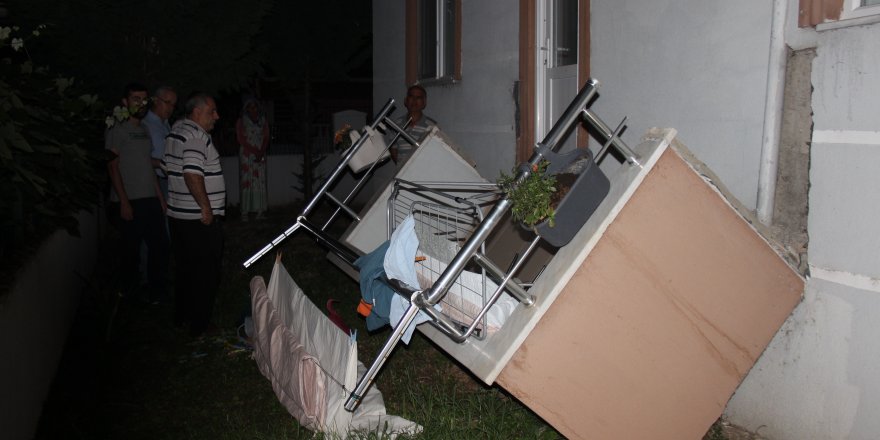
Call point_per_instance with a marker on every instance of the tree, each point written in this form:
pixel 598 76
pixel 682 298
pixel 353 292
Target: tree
pixel 50 148
pixel 205 45
pixel 308 42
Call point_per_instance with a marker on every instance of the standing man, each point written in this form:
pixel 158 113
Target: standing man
pixel 156 122
pixel 196 205
pixel 420 123
pixel 137 205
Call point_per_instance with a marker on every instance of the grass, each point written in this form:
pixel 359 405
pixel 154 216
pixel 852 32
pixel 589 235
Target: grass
pixel 127 373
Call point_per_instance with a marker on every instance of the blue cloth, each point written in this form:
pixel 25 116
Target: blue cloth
pixel 373 288
pixel 396 258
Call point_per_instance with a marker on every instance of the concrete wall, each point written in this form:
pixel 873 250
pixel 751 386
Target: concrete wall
pixel 793 172
pixel 35 318
pixel 478 112
pixel 820 378
pixel 697 66
pixel 282 180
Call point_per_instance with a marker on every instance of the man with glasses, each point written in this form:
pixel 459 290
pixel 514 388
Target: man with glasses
pixel 137 205
pixel 156 122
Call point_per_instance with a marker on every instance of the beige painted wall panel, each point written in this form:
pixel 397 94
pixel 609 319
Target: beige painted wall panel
pixel 657 328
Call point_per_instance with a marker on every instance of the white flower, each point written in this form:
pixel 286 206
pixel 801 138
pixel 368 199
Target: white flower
pixel 110 122
pixel 17 43
pixel 36 33
pixel 4 33
pixel 89 99
pixel 63 83
pixel 120 113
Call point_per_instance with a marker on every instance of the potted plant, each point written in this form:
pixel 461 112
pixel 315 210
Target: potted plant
pixel 531 198
pixel 558 194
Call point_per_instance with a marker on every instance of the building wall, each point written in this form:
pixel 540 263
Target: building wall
pixel 674 52
pixel 820 378
pixel 699 67
pixel 478 112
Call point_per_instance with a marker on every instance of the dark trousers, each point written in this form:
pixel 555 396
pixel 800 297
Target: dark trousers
pixel 198 254
pixel 147 226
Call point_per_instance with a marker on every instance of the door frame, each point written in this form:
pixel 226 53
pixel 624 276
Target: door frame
pixel 528 67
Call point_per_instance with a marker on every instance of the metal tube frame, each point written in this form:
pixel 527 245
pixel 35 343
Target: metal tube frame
pixel 301 222
pixel 425 300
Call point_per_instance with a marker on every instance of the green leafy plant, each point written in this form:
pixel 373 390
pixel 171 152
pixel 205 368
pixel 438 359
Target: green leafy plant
pixel 50 147
pixel 532 196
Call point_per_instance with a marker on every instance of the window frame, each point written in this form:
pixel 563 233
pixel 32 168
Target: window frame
pixel 854 9
pixel 833 14
pixel 413 44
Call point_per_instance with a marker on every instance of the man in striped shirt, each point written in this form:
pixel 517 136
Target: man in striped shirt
pixel 196 204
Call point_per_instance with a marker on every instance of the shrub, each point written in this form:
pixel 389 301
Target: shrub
pixel 532 196
pixel 51 151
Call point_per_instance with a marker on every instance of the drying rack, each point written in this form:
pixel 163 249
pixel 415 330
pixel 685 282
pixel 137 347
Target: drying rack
pixel 445 215
pixel 472 249
pixel 319 232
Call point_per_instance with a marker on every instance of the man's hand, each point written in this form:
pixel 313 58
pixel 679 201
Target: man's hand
pixel 125 211
pixel 196 185
pixel 207 216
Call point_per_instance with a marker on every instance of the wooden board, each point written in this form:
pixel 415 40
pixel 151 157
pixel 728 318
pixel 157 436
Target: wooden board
pixel 662 320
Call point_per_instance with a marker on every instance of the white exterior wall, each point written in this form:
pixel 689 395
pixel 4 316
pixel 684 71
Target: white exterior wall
pixel 282 180
pixel 478 112
pixel 820 377
pixel 697 66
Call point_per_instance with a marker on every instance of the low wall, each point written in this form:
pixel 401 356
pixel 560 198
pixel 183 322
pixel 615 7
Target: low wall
pixel 283 181
pixel 35 318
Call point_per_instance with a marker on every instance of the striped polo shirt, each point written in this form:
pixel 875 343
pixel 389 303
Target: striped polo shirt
pixel 418 132
pixel 188 149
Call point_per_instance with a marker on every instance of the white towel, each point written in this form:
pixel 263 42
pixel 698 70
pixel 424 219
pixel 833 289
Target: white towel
pixel 400 265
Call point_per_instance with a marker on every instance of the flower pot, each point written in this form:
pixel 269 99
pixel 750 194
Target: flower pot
pixel 586 193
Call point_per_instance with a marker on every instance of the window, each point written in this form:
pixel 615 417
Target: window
pixel 830 14
pixel 859 8
pixel 564 46
pixel 433 41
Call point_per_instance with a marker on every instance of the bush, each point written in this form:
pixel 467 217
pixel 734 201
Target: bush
pixel 532 197
pixel 51 151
